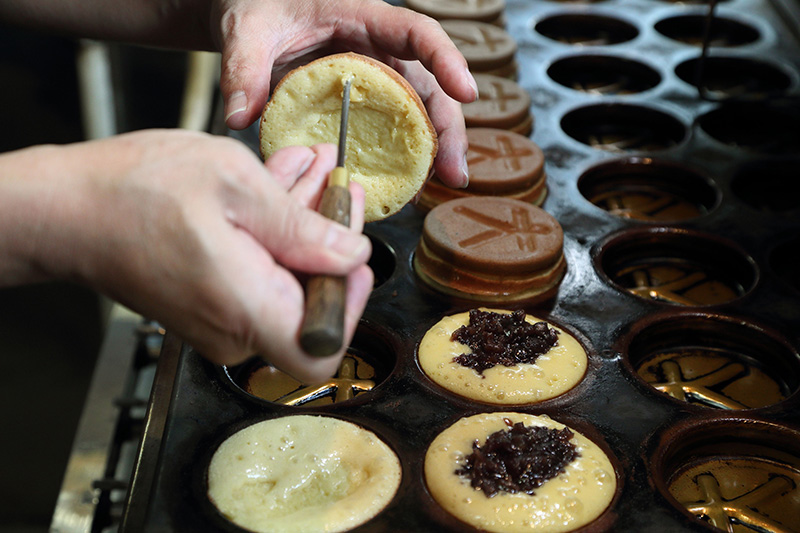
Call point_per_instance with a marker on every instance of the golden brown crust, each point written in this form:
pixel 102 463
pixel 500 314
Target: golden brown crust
pixel 491 249
pixel 436 192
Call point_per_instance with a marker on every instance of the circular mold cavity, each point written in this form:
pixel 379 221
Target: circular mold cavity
pixel 623 128
pixel 731 474
pixel 677 267
pixel 604 75
pixel 499 357
pixel 691 29
pixel 367 363
pixel 581 497
pixel 648 190
pixel 734 77
pixel 713 361
pixel 762 128
pixel 383 261
pixel 783 261
pixel 586 29
pixel 299 473
pixel 768 186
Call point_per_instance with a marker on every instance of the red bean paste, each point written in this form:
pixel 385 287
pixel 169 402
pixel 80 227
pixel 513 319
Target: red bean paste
pixel 502 339
pixel 519 459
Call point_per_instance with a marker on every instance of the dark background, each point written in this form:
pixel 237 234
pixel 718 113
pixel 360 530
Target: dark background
pixel 50 333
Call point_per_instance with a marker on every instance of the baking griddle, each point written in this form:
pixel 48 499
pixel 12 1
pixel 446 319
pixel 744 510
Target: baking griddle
pixel 729 142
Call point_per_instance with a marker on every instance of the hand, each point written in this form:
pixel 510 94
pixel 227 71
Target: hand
pixel 193 231
pixel 256 37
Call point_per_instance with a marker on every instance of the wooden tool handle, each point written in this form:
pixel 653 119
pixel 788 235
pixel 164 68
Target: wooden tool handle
pixel 322 333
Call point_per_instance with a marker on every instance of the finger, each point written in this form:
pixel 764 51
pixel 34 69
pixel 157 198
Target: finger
pixel 233 307
pixel 308 189
pixel 412 36
pixel 445 113
pixel 315 369
pixel 314 188
pixel 245 75
pixel 357 197
pixel 297 237
pixel 359 287
pixel 450 164
pixel 289 164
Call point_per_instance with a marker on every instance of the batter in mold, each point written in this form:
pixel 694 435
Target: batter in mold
pixel 559 364
pixel 572 490
pixel 302 473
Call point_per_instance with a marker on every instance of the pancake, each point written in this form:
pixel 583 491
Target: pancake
pixel 551 374
pixel 502 104
pixel 302 473
pixel 484 11
pixel 391 142
pixel 501 163
pixel 491 249
pixel 574 498
pixel 487 48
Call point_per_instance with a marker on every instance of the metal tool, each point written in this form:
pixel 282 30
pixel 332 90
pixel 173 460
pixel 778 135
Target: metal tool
pixel 322 333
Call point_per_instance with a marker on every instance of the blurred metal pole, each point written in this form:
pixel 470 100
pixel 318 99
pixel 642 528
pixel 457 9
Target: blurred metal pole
pixel 198 93
pixel 96 90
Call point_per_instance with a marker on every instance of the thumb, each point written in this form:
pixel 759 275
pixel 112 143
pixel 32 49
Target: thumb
pixel 297 237
pixel 245 78
pixel 315 244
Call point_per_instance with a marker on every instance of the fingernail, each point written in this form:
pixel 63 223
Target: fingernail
pixel 310 158
pixel 472 83
pixel 465 172
pixel 236 104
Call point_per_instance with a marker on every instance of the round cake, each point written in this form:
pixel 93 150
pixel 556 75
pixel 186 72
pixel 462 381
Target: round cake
pixel 502 103
pixel 391 142
pixel 485 11
pixel 557 481
pixel 302 474
pixel 487 48
pixel 501 163
pixel 462 353
pixel 491 249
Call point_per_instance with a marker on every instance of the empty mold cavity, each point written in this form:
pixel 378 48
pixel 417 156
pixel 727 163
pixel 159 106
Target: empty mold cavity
pixel 691 29
pixel 623 128
pixel 732 474
pixel 763 128
pixel 648 190
pixel 383 261
pixel 713 361
pixel 733 77
pixel 601 74
pixel 676 266
pixel 367 362
pixel 586 29
pixel 768 186
pixel 783 261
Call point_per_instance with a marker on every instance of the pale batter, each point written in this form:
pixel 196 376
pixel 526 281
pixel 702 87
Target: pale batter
pixel 563 503
pixel 302 474
pixel 551 375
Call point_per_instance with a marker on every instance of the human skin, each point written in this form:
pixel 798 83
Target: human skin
pixel 193 230
pixel 212 250
pixel 261 39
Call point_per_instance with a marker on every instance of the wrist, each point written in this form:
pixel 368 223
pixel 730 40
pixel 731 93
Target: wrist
pixel 47 212
pixel 24 207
